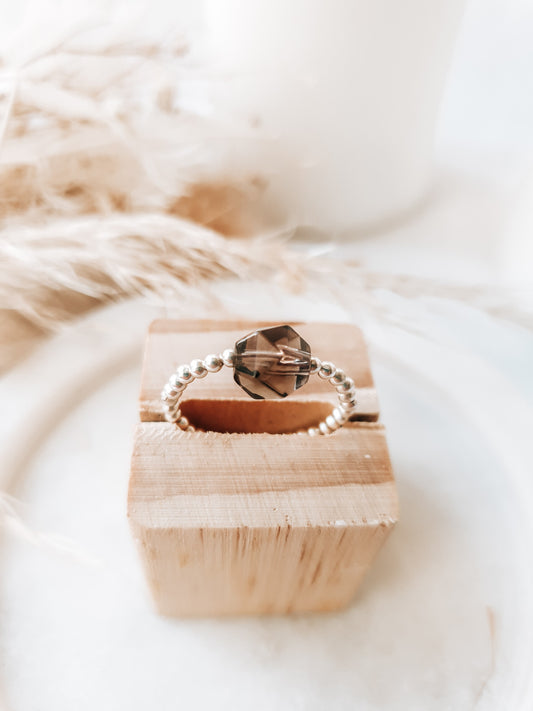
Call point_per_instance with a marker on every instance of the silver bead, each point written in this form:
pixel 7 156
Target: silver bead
pixel 346 385
pixel 346 397
pixel 316 364
pixel 170 393
pixel 184 374
pixel 324 429
pixel 326 370
pixel 183 423
pixel 351 404
pixel 347 407
pixel 175 382
pixel 338 377
pixel 331 422
pixel 198 368
pixel 213 363
pixel 339 415
pixel 170 405
pixel 228 357
pixel 313 432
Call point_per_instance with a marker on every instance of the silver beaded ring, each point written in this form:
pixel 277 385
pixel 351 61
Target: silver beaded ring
pixel 268 363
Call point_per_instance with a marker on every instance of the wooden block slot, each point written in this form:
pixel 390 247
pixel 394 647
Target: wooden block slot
pixel 249 416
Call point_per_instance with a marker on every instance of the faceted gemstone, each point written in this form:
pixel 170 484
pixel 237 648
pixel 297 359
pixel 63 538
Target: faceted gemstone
pixel 272 362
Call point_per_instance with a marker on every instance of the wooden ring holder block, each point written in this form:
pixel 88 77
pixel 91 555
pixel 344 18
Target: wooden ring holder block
pixel 248 516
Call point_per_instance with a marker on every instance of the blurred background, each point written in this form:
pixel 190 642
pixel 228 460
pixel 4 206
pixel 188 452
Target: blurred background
pixel 392 134
pixel 397 137
pixel 369 162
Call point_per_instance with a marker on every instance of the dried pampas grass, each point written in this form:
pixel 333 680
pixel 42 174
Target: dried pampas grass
pixel 104 185
pixel 106 257
pixel 92 129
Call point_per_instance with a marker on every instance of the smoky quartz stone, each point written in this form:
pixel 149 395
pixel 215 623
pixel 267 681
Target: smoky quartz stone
pixel 271 362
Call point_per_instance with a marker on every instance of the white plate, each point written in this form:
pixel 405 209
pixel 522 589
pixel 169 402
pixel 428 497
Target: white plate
pixel 443 621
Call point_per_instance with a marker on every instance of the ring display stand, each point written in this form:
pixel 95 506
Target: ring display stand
pixel 247 516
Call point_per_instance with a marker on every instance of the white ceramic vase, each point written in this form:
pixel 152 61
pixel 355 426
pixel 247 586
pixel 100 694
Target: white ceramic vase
pixel 333 102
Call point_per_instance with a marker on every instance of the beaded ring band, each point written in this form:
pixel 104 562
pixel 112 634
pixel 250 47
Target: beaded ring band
pixel 268 363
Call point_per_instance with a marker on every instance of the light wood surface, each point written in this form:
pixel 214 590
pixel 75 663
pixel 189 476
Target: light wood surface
pixel 254 522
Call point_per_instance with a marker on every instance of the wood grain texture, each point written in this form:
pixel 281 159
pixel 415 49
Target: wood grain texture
pixel 172 342
pixel 249 523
